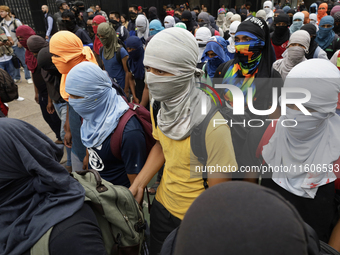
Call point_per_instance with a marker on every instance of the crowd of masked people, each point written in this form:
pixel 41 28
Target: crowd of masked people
pixel 91 65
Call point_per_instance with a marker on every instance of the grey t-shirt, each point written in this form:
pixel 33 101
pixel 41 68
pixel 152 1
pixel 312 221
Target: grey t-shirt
pixel 9 25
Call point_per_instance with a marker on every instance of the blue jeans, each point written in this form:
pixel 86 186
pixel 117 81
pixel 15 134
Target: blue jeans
pixel 20 53
pixel 8 67
pixel 61 110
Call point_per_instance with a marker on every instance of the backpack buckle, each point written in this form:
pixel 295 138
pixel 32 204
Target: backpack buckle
pixel 140 226
pixel 135 106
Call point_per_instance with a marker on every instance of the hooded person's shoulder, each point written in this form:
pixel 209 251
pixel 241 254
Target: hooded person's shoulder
pixel 221 70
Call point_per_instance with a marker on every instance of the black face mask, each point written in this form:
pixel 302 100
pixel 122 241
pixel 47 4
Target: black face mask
pixel 132 15
pixel 69 25
pixel 280 30
pixel 81 9
pixel 187 23
pixel 115 23
pixel 202 24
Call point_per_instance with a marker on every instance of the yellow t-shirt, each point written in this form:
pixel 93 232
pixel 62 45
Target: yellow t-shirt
pixel 179 187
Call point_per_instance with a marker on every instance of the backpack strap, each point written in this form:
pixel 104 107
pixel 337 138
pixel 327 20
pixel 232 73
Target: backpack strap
pixel 42 246
pixel 117 135
pixel 265 140
pixel 122 30
pixel 15 24
pixel 197 142
pixel 119 56
pixel 156 105
pixel 101 52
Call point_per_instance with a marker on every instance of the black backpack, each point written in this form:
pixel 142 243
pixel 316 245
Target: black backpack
pixel 8 89
pixel 238 135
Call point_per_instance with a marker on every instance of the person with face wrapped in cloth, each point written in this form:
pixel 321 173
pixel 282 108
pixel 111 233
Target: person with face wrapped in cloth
pixel 281 34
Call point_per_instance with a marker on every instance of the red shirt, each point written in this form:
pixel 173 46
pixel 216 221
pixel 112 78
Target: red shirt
pixel 279 49
pixel 3 108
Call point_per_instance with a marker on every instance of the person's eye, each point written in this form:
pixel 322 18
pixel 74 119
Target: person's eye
pixel 160 72
pixel 148 69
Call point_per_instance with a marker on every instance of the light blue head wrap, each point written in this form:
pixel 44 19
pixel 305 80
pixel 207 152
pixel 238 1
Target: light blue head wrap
pixel 100 106
pixel 297 24
pixel 156 27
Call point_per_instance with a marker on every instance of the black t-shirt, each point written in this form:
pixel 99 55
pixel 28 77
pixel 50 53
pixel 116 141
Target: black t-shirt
pixel 254 136
pixel 83 36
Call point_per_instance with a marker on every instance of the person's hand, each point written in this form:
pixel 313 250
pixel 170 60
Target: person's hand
pixel 136 100
pixel 46 37
pixel 19 45
pixel 137 192
pixel 86 163
pixel 68 139
pixel 36 98
pixel 50 108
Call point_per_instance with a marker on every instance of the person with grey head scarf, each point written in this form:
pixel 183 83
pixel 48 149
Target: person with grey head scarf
pixel 312 141
pixel 204 21
pixel 170 61
pixel 297 47
pixel 203 35
pixel 142 25
pixel 194 16
pixel 313 19
pixel 169 21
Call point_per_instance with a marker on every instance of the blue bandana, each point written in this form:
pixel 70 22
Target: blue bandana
pixel 100 106
pixel 136 57
pixel 325 36
pixel 156 27
pixel 213 63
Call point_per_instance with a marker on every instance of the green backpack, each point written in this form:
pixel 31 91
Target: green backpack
pixel 119 216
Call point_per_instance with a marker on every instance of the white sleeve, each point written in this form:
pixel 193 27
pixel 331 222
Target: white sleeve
pixel 6 31
pixel 18 22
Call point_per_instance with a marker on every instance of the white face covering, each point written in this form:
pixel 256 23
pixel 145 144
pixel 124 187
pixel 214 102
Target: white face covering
pixel 267 10
pixel 204 34
pixel 315 140
pixel 307 125
pixel 232 31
